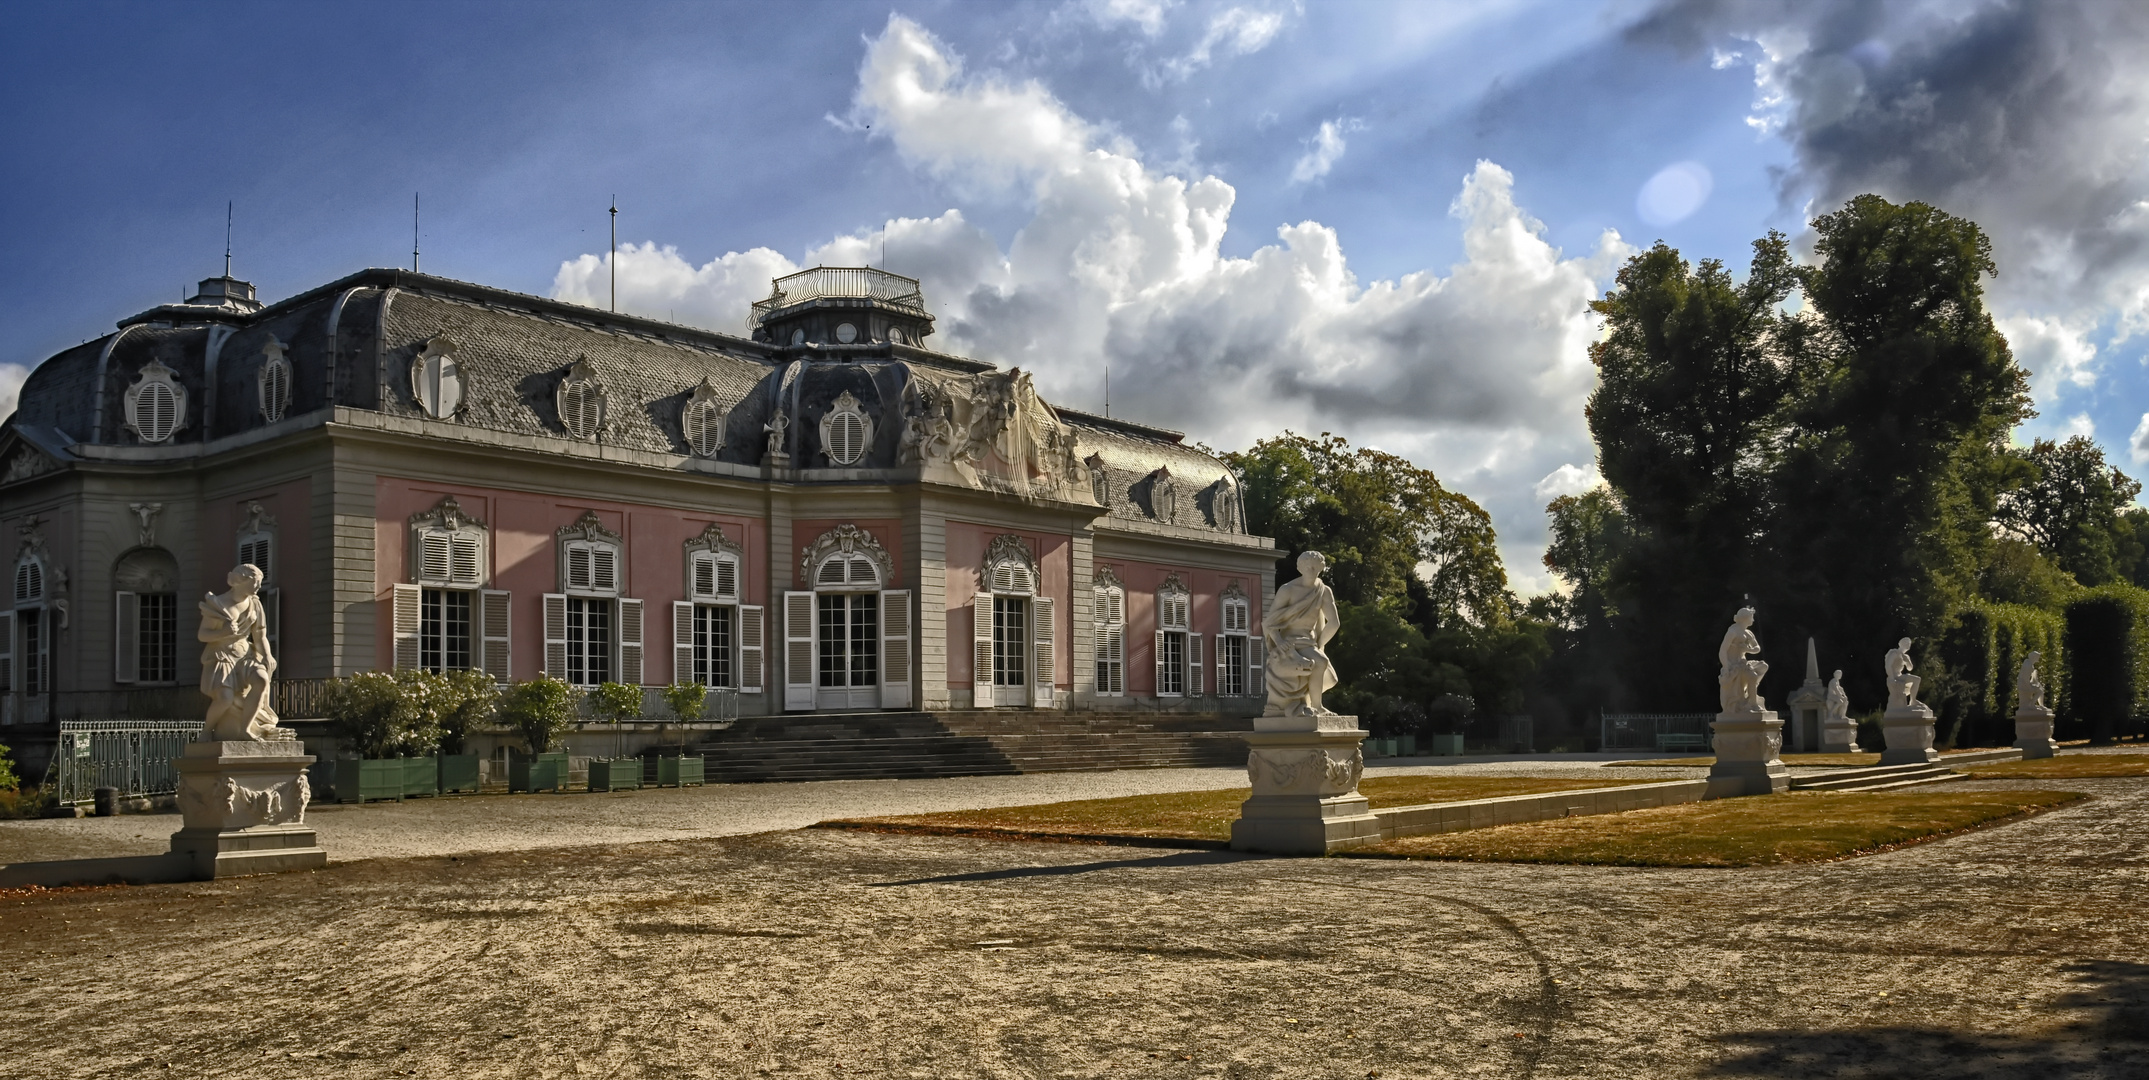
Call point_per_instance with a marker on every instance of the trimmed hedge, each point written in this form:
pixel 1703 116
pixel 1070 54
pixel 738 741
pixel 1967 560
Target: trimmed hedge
pixel 2107 688
pixel 1982 652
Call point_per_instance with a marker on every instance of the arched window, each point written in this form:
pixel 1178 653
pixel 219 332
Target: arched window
pixel 274 382
pixel 1178 648
pixel 716 640
pixel 847 637
pixel 701 420
pixel 845 431
pixel 1108 615
pixel 1012 629
pixel 593 633
pixel 1238 654
pixel 156 404
pixel 436 379
pixel 445 618
pixel 146 622
pixel 581 401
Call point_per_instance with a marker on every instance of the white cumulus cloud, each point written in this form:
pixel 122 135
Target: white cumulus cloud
pixel 1568 479
pixel 1322 151
pixel 1478 371
pixel 11 378
pixel 2138 445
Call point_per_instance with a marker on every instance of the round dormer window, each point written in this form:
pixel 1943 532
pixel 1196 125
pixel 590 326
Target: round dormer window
pixel 845 431
pixel 798 336
pixel 846 333
pixel 895 334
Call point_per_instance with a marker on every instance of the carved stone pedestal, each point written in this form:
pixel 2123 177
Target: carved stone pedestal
pixel 1907 730
pixel 2033 733
pixel 1839 736
pixel 1305 772
pixel 244 805
pixel 1748 746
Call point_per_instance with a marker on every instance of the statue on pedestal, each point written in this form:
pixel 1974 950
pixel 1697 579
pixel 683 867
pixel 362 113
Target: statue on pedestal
pixel 2033 718
pixel 1902 685
pixel 2029 689
pixel 1738 680
pixel 1296 628
pixel 236 664
pixel 1839 703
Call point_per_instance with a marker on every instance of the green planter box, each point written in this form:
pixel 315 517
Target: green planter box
pixel 545 772
pixel 367 779
pixel 1447 745
pixel 617 774
pixel 680 771
pixel 421 776
pixel 459 772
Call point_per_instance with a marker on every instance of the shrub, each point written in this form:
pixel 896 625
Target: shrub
pixel 541 709
pixel 615 703
pixel 686 700
pixel 8 780
pixel 452 702
pixel 379 715
pixel 1983 650
pixel 2107 684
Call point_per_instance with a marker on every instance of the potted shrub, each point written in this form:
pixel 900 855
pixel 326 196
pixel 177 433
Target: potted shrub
pixel 379 719
pixel 541 711
pixel 615 704
pixel 686 701
pixel 458 701
pixel 1445 717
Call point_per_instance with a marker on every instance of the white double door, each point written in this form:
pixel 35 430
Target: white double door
pixel 847 651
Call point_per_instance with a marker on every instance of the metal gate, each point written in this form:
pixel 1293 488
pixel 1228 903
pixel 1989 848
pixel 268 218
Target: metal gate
pixel 134 756
pixel 1654 731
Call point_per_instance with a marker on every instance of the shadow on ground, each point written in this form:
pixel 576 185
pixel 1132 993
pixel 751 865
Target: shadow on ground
pixel 2098 1030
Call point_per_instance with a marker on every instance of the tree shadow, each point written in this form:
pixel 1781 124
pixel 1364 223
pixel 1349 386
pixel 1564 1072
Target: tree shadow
pixel 2100 1029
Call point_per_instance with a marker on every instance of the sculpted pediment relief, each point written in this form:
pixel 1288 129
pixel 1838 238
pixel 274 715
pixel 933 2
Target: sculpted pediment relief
pixel 25 463
pixel 991 431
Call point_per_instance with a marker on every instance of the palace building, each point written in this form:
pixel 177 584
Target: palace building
pixel 823 515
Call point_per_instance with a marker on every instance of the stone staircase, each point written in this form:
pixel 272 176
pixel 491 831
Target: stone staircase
pixel 890 746
pixel 1894 777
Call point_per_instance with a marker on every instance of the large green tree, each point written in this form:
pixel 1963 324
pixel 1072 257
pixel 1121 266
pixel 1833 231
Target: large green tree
pixel 1691 389
pixel 2071 508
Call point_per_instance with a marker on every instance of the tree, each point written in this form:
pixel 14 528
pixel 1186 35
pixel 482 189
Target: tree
pixel 2070 507
pixel 1893 456
pixel 1691 388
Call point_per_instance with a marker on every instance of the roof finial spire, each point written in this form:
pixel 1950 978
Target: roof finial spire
pixel 227 237
pixel 413 232
pixel 614 262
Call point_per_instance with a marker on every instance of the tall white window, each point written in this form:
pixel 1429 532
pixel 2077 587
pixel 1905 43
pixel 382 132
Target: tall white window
pixel 1178 648
pixel 445 617
pixel 146 617
pixel 156 404
pixel 846 431
pixel 708 647
pixel 1013 630
pixel 1108 613
pixel 436 379
pixel 847 638
pixel 32 646
pixel 1234 654
pixel 593 634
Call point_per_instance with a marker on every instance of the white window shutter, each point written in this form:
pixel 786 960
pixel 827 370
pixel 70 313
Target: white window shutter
pixel 752 648
pixel 7 653
pixel 682 642
pixel 1045 670
pixel 798 679
pixel 406 627
pixel 1193 665
pixel 1157 687
pixel 701 576
pixel 630 642
pixel 604 573
pixel 1256 680
pixel 436 560
pixel 1221 682
pixel 272 613
pixel 496 622
pixel 727 578
pixel 981 658
pixel 556 635
pixel 578 567
pixel 895 649
pixel 466 558
pixel 126 637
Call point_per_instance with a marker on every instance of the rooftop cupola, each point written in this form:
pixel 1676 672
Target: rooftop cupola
pixel 216 300
pixel 838 307
pixel 226 292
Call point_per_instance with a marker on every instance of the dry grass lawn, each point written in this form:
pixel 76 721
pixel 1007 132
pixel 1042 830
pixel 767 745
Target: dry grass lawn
pixel 1800 826
pixel 1201 816
pixel 2066 767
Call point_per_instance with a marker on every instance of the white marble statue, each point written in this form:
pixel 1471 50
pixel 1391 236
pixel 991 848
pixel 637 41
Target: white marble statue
pixel 2029 689
pixel 1738 680
pixel 1902 685
pixel 236 665
pixel 1296 629
pixel 1838 709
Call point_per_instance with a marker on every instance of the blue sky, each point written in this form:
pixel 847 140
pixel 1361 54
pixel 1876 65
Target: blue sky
pixel 1083 184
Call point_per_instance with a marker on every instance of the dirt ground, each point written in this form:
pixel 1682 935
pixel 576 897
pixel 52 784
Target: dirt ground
pixel 2011 952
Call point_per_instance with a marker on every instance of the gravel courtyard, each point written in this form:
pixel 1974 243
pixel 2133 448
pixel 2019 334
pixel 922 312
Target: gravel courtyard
pixel 2011 952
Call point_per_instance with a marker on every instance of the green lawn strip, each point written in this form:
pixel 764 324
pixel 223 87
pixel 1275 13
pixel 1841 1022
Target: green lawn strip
pixel 2063 767
pixel 1763 830
pixel 1200 816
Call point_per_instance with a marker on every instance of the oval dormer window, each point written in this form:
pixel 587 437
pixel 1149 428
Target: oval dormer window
pixel 436 379
pixel 274 382
pixel 156 405
pixel 845 431
pixel 701 420
pixel 846 333
pixel 798 336
pixel 582 401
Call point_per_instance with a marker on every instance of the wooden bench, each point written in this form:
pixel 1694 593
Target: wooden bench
pixel 1682 742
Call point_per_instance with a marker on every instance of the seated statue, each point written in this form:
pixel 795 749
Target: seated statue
pixel 2029 689
pixel 1838 708
pixel 1296 629
pixel 1738 680
pixel 236 665
pixel 1902 685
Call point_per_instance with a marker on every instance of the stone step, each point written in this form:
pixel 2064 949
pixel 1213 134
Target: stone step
pixel 1877 778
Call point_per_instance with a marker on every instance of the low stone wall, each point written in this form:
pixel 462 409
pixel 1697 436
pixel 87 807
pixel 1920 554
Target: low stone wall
pixel 1398 821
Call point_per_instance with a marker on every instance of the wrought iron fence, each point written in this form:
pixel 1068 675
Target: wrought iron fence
pixel 1649 731
pixel 723 704
pixel 134 756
